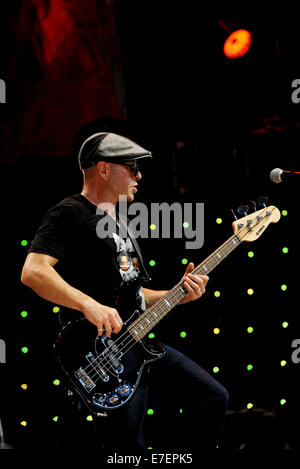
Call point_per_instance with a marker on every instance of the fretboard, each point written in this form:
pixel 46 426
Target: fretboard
pixel 149 318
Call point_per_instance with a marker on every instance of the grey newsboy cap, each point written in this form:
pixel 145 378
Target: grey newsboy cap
pixel 105 146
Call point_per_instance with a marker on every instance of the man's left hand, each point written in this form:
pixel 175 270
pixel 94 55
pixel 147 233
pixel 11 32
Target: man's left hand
pixel 194 284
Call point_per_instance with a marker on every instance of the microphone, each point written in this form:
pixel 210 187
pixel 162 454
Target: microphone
pixel 276 174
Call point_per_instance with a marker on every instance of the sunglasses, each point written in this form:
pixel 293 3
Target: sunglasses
pixel 132 165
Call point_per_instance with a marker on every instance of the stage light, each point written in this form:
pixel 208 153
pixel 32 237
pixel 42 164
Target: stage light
pixel 24 242
pixel 24 350
pixel 237 44
pixel 219 221
pixel 285 250
pixel 283 287
pixel 250 291
pixel 250 330
pixel 152 263
pixel 184 261
pixel 284 324
pixel 183 334
pixel 217 294
pixel 150 412
pixel 250 254
pixel 216 331
pixel 23 314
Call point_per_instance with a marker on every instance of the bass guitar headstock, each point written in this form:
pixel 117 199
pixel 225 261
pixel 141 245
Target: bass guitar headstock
pixel 250 227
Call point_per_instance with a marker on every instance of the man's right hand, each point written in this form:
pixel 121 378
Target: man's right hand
pixel 106 319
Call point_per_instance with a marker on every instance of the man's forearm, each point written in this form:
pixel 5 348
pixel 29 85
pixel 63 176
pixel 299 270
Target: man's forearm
pixel 152 296
pixel 48 284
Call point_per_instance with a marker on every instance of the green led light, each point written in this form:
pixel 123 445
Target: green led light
pixel 285 324
pixel 219 221
pixel 24 349
pixel 216 369
pixel 151 335
pixel 285 250
pixel 181 411
pixel 183 334
pixel 152 227
pixel 23 423
pixel 23 314
pixel 56 382
pixel 249 367
pixel 249 405
pixel 185 224
pixel 150 412
pixel 184 261
pixel 284 213
pixel 217 294
pixel 250 291
pixel 24 386
pixel 56 309
pixel 152 263
pixel 283 363
pixel 250 329
pixel 283 287
pixel 24 242
pixel 250 254
pixel 282 401
pixel 89 418
pixel 55 419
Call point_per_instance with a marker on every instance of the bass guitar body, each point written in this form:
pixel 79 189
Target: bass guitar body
pixel 105 371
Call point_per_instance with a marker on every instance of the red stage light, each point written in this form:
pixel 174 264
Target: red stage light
pixel 237 44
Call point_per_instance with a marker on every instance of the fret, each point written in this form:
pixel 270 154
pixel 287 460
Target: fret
pixel 149 318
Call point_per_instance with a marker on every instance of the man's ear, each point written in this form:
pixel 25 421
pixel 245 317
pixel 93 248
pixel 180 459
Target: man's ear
pixel 103 169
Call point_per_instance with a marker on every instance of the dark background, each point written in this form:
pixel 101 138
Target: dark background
pixel 234 121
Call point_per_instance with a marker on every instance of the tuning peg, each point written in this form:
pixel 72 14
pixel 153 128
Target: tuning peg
pixel 252 205
pixel 234 215
pixel 262 201
pixel 243 209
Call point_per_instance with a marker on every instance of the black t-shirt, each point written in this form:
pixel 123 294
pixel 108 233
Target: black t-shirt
pixel 95 264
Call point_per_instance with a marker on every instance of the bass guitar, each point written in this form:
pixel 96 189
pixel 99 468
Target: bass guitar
pixel 106 371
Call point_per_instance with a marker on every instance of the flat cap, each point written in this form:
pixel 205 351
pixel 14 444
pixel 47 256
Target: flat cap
pixel 106 146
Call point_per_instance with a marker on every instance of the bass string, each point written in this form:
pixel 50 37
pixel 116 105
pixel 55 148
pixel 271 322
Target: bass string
pixel 209 262
pixel 124 343
pixel 127 335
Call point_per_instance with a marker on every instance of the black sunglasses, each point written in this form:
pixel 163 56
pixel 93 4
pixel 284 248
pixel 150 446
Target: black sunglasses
pixel 133 166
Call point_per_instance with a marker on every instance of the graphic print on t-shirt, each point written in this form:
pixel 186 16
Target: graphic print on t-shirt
pixel 128 266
